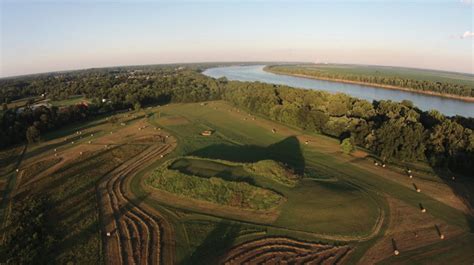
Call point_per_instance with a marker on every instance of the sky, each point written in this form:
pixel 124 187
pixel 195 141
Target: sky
pixel 41 36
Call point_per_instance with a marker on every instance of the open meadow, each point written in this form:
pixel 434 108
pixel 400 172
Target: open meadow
pixel 328 207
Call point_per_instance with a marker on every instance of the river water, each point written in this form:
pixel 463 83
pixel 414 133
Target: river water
pixel 447 106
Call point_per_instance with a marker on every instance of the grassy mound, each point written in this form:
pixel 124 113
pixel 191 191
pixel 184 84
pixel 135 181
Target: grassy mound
pixel 213 189
pixel 274 170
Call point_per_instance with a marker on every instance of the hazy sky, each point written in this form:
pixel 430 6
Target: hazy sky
pixel 41 36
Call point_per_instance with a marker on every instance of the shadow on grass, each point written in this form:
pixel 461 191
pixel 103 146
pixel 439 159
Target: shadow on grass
pixel 287 151
pixel 463 188
pixel 214 246
pixel 50 147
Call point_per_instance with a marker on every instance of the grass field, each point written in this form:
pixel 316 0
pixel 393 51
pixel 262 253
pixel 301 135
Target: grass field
pixel 340 201
pixel 73 100
pixel 347 192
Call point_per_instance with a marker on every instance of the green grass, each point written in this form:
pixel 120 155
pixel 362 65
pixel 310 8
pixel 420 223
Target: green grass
pixel 213 189
pixel 234 171
pixel 454 251
pixel 335 198
pixel 73 100
pixel 240 141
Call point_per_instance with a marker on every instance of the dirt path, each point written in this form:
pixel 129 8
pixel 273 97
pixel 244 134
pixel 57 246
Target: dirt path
pixel 136 236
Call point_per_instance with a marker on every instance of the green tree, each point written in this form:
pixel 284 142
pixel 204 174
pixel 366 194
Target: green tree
pixel 137 106
pixel 347 146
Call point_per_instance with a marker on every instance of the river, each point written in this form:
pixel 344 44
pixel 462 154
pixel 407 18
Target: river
pixel 447 106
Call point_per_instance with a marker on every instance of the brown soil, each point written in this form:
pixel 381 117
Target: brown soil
pixel 410 228
pixel 174 120
pixel 136 235
pixel 282 250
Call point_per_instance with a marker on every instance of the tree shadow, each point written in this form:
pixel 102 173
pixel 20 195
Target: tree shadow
pixel 216 243
pixel 463 188
pixel 287 151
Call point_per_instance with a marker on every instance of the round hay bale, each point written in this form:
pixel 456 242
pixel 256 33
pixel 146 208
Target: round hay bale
pixel 55 150
pixel 17 170
pixel 411 176
pixel 441 236
pixel 423 210
pixel 396 252
pixel 418 190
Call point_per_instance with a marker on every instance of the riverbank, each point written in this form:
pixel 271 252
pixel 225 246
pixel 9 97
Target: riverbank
pixel 429 93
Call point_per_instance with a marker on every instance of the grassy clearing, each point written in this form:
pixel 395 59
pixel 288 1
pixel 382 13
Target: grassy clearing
pixel 338 195
pixel 241 141
pixel 73 100
pixel 214 189
pixel 74 198
pixel 454 251
pixel 235 171
pixel 31 170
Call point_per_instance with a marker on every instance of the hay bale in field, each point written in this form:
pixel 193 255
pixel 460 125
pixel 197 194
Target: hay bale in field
pixel 17 170
pixel 274 130
pixel 205 133
pixel 422 209
pixel 395 248
pixel 440 234
pixel 453 178
pixel 410 176
pixel 55 150
pixel 383 165
pixel 416 188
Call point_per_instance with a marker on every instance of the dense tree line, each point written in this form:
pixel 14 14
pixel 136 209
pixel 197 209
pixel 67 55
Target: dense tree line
pixel 31 235
pixel 392 130
pixel 422 85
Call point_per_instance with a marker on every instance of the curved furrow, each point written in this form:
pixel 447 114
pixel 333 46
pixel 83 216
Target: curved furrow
pixel 147 230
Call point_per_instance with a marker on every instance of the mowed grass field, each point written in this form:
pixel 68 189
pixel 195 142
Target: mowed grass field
pixel 347 210
pixel 340 199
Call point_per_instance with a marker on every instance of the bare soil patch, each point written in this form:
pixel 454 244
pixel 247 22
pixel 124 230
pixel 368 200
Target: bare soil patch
pixel 283 250
pixel 410 229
